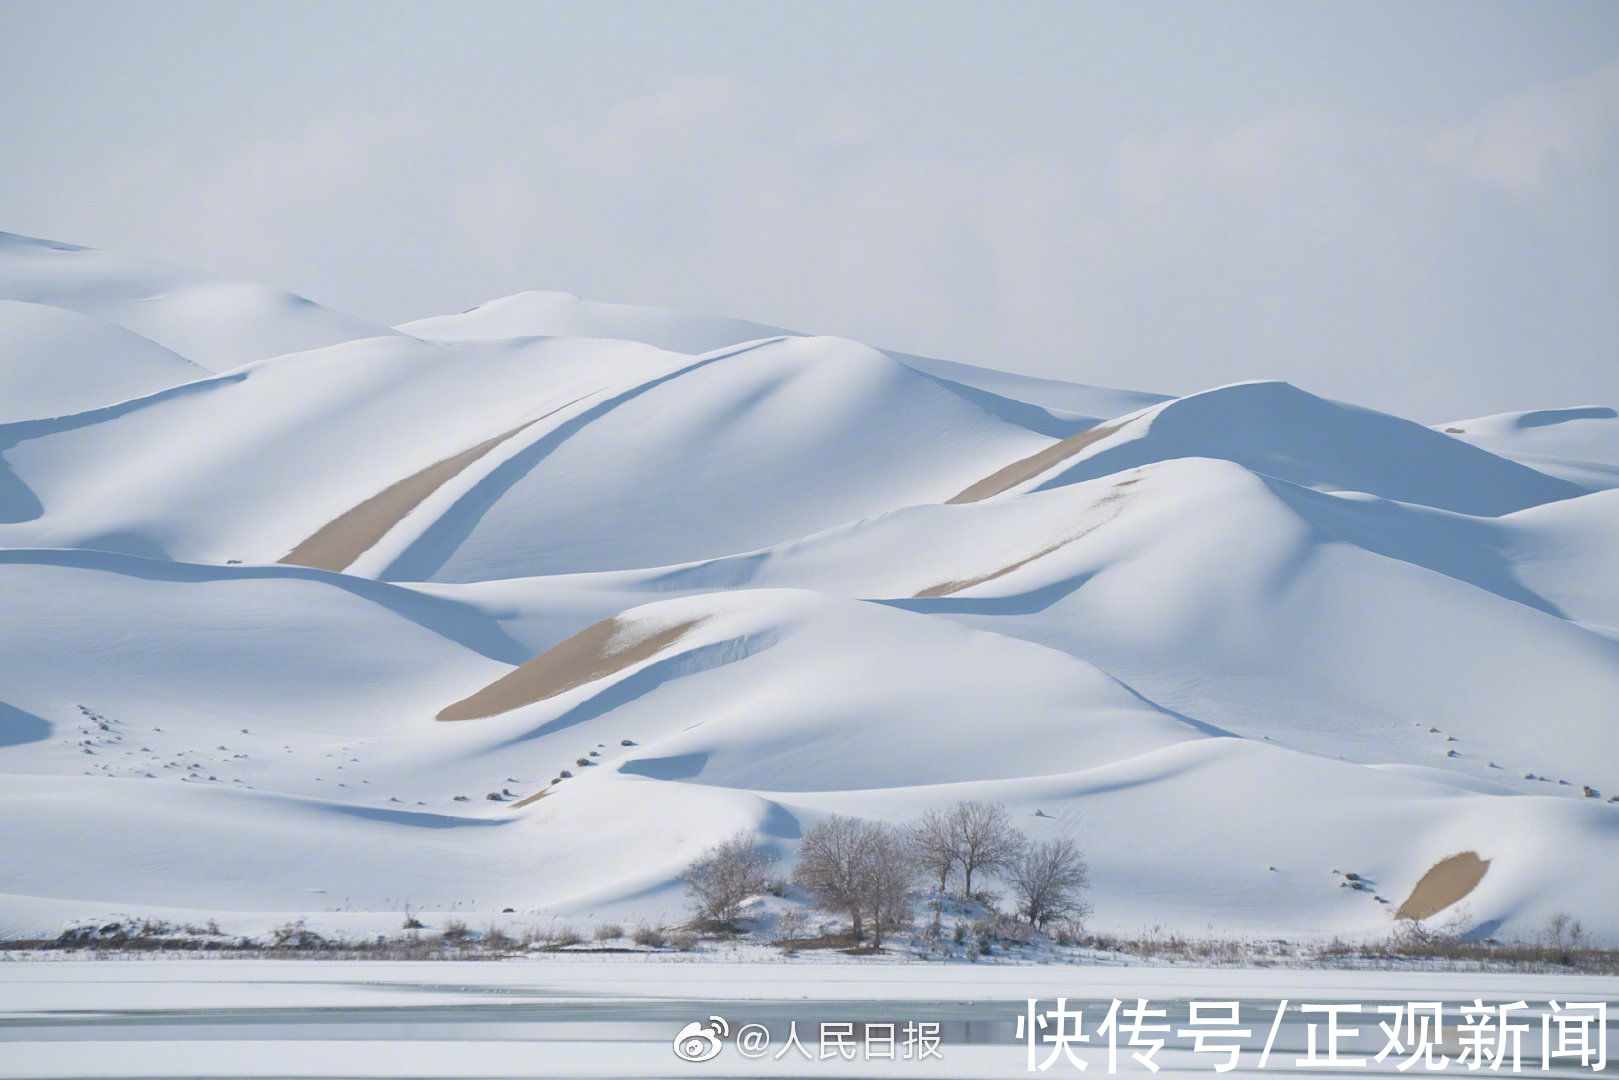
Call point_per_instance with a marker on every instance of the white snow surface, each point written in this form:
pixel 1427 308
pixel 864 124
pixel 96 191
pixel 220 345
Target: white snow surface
pixel 617 1017
pixel 1248 638
pixel 214 322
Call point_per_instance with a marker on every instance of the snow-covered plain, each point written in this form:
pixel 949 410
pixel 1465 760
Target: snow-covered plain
pixel 1234 642
pixel 567 1018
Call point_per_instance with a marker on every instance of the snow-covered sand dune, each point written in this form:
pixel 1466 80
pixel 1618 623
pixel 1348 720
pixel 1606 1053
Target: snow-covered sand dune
pixel 288 596
pixel 214 322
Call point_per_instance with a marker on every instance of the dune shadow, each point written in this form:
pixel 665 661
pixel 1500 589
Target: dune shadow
pixel 18 727
pixel 1547 417
pixel 676 767
pixel 1447 546
pixel 18 503
pixel 780 824
pixel 1274 429
pixel 1025 603
pixel 415 819
pixel 449 619
pixel 1023 414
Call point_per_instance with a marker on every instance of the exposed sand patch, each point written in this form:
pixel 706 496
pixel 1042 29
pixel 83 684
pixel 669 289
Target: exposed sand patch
pixel 1032 466
pixel 540 794
pixel 593 653
pixel 335 545
pixel 1446 882
pixel 949 587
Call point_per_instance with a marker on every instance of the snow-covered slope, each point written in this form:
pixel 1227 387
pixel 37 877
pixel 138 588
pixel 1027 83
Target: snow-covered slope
pixel 213 322
pixel 599 455
pixel 57 362
pixel 272 637
pixel 1581 445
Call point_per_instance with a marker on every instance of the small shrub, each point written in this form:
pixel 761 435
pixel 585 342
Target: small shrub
pixel 296 935
pixel 1563 931
pixel 1067 932
pixel 997 926
pixel 790 923
pixel 609 932
pixel 561 937
pixel 455 932
pixel 649 936
pixel 413 923
pixel 685 942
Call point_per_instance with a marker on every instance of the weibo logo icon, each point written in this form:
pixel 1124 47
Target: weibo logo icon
pixel 700 1042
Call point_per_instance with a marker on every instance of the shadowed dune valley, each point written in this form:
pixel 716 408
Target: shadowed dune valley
pixel 510 618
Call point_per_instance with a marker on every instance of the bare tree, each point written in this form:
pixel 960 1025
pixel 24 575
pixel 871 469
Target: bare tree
pixel 861 868
pixel 985 840
pixel 1048 878
pixel 888 880
pixel 933 845
pixel 726 874
pixel 833 858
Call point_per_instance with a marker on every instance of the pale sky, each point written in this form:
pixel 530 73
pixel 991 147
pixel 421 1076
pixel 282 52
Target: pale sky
pixel 1407 205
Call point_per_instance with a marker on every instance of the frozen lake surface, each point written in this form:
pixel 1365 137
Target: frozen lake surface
pixel 554 1017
